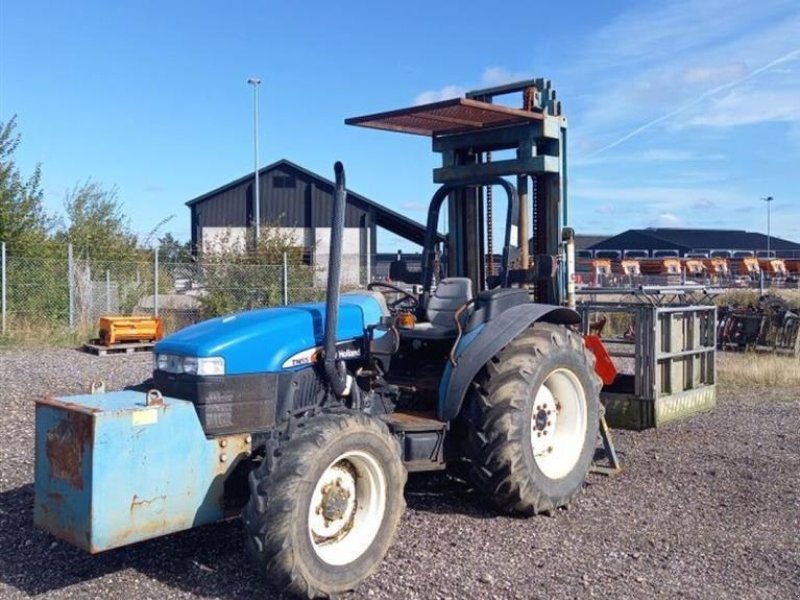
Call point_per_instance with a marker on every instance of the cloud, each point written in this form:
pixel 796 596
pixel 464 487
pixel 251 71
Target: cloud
pixel 746 107
pixel 445 93
pixel 704 204
pixel 666 219
pixel 652 155
pixel 713 74
pixel 490 77
pixel 788 56
pixel 153 188
pixel 414 206
pixel 662 64
pixel 605 209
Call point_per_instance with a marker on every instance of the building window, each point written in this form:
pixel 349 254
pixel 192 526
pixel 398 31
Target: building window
pixel 284 181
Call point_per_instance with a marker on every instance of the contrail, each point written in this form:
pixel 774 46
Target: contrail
pixel 785 58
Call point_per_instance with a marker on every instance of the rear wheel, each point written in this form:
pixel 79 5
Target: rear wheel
pixel 322 517
pixel 534 422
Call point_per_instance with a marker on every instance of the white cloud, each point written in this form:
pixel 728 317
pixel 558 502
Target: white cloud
pixel 490 77
pixel 699 51
pixel 666 219
pixel 445 93
pixel 413 206
pixel 745 107
pixel 655 198
pixel 499 76
pixel 704 204
pixel 714 74
pixel 652 155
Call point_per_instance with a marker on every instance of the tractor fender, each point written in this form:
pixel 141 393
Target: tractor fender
pixel 493 337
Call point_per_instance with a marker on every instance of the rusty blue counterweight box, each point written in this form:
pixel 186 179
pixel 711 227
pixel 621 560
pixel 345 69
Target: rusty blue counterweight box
pixel 117 468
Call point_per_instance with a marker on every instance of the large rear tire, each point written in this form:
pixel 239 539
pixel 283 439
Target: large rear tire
pixel 322 514
pixel 534 421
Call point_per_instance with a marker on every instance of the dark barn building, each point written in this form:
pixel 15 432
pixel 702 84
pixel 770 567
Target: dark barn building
pixel 712 242
pixel 299 202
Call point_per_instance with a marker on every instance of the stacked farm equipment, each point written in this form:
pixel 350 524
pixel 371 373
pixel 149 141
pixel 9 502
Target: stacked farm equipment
pixel 774 270
pixel 695 269
pixel 718 270
pixel 662 271
pixel 768 325
pixel 748 268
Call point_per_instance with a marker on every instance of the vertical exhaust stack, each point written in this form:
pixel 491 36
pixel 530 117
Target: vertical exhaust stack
pixel 336 379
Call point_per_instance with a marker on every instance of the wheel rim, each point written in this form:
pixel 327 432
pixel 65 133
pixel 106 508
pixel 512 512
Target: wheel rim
pixel 558 423
pixel 347 508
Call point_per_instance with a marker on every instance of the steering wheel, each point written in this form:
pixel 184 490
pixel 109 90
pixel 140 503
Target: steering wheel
pixel 404 295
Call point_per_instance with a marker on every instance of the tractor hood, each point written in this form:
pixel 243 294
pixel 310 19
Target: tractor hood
pixel 261 341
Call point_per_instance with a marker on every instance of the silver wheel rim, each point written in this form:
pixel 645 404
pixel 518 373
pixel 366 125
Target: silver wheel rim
pixel 558 423
pixel 347 508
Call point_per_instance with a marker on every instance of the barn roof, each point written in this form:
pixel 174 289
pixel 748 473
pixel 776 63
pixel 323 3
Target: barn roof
pixel 384 217
pixel 693 239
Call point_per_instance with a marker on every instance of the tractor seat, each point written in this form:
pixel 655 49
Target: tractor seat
pixel 451 294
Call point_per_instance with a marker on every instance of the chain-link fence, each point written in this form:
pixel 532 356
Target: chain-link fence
pixel 69 293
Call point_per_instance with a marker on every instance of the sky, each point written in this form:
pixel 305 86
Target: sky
pixel 681 112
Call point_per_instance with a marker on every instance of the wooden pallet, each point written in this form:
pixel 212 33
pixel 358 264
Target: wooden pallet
pixel 100 350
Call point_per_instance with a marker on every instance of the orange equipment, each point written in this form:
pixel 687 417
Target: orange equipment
pixel 630 267
pixel 117 330
pixel 695 267
pixel 749 266
pixel 774 267
pixel 717 266
pixel 601 269
pixel 661 266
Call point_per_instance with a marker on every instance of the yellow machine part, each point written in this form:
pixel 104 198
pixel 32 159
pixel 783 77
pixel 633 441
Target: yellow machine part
pixel 117 330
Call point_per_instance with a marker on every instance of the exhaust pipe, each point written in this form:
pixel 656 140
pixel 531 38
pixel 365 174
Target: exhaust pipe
pixel 336 378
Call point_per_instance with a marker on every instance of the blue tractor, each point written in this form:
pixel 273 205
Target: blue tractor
pixel 306 419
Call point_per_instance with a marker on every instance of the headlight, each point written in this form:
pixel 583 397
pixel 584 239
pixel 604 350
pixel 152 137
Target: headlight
pixel 191 365
pixel 212 365
pixel 162 362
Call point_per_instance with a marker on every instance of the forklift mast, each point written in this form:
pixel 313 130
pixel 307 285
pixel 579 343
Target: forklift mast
pixel 466 132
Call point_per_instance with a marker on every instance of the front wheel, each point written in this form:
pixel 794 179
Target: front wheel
pixel 534 422
pixel 321 519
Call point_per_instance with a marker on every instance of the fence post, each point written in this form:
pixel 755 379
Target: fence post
pixel 71 283
pixel 285 280
pixel 3 275
pixel 155 284
pixel 108 291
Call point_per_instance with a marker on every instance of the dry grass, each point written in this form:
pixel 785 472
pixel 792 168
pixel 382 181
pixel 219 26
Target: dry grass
pixel 24 332
pixel 754 369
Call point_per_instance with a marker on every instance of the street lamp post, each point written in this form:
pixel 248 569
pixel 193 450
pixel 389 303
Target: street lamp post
pixel 255 82
pixel 768 200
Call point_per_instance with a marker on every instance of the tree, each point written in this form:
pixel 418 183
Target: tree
pixel 171 250
pixel 240 274
pixel 24 224
pixel 96 224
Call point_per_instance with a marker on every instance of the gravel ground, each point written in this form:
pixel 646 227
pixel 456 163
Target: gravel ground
pixel 709 508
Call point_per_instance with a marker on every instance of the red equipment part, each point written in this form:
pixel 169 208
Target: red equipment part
pixel 603 365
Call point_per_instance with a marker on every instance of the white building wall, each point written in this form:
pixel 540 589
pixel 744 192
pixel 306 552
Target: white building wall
pixel 215 239
pixel 351 255
pixel 219 238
